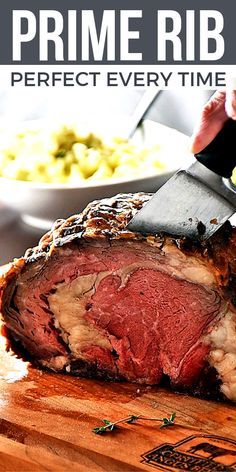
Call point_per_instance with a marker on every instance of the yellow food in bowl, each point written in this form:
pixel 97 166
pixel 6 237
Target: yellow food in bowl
pixel 233 178
pixel 64 156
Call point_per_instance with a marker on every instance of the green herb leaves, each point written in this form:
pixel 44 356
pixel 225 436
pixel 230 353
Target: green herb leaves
pixel 168 421
pixel 109 426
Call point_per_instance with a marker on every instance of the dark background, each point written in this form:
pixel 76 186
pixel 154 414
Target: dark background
pixel 147 31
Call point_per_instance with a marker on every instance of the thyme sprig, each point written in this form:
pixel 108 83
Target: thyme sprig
pixel 109 426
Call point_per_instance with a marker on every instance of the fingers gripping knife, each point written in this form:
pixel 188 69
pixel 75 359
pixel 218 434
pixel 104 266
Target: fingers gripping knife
pixel 196 201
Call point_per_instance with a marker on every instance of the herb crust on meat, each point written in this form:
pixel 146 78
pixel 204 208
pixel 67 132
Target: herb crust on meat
pixel 95 299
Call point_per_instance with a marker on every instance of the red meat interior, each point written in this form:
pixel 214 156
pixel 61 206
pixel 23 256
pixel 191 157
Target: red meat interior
pixel 154 322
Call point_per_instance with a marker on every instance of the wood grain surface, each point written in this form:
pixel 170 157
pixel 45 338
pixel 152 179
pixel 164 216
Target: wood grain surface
pixel 46 423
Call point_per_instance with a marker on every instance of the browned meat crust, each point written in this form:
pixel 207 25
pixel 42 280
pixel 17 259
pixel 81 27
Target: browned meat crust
pixel 109 217
pixel 106 220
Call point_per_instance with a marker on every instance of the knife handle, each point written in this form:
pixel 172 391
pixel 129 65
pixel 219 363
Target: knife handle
pixel 220 156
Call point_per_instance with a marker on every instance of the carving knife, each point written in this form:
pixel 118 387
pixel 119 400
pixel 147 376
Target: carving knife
pixel 196 201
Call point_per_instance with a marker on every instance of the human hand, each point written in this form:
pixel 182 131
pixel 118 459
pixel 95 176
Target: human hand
pixel 220 107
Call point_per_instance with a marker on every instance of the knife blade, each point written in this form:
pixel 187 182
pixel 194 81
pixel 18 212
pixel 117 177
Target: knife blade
pixel 195 202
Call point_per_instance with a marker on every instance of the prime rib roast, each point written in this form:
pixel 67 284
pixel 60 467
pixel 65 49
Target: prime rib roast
pixel 93 299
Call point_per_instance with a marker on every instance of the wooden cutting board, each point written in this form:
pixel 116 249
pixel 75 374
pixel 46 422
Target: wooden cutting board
pixel 46 423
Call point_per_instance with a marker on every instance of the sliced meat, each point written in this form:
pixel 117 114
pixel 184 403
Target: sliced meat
pixel 94 299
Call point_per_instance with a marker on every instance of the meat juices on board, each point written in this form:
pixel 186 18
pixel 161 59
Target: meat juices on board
pixel 94 299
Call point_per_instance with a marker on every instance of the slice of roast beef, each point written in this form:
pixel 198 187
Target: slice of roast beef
pixel 96 300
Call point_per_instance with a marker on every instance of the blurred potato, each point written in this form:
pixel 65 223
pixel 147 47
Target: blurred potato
pixel 234 176
pixel 68 155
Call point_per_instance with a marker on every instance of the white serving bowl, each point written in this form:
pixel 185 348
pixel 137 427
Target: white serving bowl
pixel 40 204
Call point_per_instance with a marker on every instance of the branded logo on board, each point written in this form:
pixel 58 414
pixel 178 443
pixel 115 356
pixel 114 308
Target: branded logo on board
pixel 200 453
